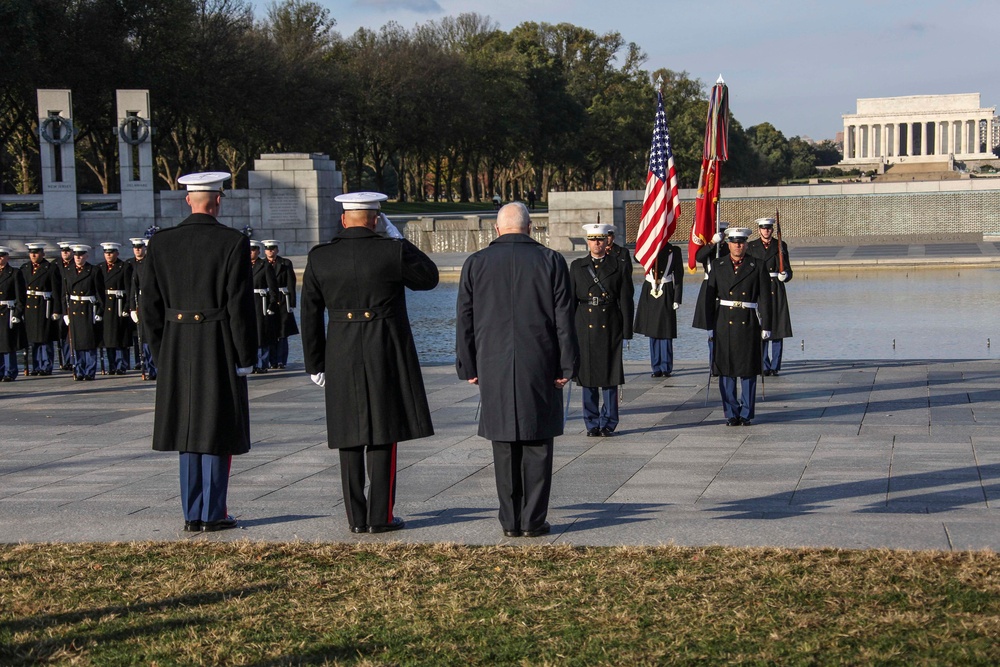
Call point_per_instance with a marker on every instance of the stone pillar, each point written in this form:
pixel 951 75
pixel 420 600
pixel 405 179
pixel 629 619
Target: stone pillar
pixel 55 123
pixel 135 160
pixel 291 194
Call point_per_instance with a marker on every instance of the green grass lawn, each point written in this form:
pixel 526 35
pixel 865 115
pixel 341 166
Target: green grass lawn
pixel 202 603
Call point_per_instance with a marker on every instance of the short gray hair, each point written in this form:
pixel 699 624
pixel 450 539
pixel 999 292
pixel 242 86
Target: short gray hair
pixel 513 217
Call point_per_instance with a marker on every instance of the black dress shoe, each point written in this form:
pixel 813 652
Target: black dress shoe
pixel 606 432
pixel 359 529
pixel 774 373
pixel 89 378
pixel 280 366
pixel 656 374
pixel 543 529
pixel 192 526
pixel 513 533
pixel 745 422
pixel 222 524
pixel 395 524
pixel 733 421
pixel 593 432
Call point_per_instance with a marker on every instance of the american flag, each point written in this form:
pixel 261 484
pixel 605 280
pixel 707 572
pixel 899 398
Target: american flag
pixel 662 206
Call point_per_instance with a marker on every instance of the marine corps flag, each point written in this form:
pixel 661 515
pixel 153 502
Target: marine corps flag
pixel 706 212
pixel 661 207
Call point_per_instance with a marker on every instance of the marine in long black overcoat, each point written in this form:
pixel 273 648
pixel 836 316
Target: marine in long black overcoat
pixel 45 277
pixel 781 320
pixel 601 328
pixel 704 256
pixel 85 282
pixel 737 329
pixel 655 316
pixel 12 289
pixel 263 279
pixel 135 293
pixel 197 305
pixel 374 388
pixel 284 276
pixel 515 332
pixel 117 326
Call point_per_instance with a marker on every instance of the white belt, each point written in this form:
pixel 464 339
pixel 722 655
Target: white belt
pixel 9 304
pixel 44 295
pixel 261 292
pixel 90 299
pixel 283 290
pixel 773 275
pixel 738 304
pixel 117 292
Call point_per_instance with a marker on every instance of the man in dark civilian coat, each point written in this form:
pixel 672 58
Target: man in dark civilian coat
pixel 12 295
pixel 766 249
pixel 265 291
pixel 515 338
pixel 43 308
pixel 738 299
pixel 116 332
pixel 602 286
pixel 656 315
pixel 197 307
pixel 284 275
pixel 375 395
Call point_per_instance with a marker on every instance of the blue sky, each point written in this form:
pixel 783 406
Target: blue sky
pixel 797 64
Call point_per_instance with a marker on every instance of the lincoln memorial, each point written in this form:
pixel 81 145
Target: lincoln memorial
pixel 920 128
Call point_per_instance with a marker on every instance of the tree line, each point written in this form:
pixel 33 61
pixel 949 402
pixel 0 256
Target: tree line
pixel 454 109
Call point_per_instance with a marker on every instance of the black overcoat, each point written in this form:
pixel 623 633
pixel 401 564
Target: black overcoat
pixel 117 326
pixel 601 328
pixel 39 325
pixel 655 316
pixel 705 255
pixel 11 289
pixel 197 305
pixel 284 276
pixel 781 320
pixel 135 293
pixel 86 282
pixel 737 330
pixel 263 279
pixel 374 388
pixel 515 332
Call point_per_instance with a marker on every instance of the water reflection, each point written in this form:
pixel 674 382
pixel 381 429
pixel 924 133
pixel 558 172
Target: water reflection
pixel 929 314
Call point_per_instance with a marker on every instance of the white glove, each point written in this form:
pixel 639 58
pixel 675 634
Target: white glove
pixel 135 316
pixel 765 334
pixel 782 276
pixel 98 318
pixel 319 379
pixel 676 305
pixel 243 372
pixel 271 312
pixel 390 229
pixel 15 320
pixel 66 319
pixel 717 237
pixel 55 317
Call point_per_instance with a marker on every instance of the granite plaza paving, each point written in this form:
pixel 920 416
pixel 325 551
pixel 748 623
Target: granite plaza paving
pixel 900 454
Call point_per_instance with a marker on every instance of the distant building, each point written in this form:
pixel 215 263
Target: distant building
pixel 920 128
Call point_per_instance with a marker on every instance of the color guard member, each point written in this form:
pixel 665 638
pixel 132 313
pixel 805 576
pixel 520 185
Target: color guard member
pixel 265 289
pixel 144 356
pixel 42 308
pixel 12 296
pixel 83 286
pixel 766 249
pixel 284 275
pixel 116 332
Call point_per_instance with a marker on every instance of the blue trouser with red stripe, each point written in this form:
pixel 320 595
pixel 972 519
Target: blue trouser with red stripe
pixel 376 510
pixel 205 486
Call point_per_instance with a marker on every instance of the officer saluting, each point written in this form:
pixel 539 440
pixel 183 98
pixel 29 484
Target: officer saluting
pixel 738 299
pixel 83 286
pixel 197 308
pixel 603 289
pixel 42 307
pixel 12 295
pixel 375 396
pixel 117 324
